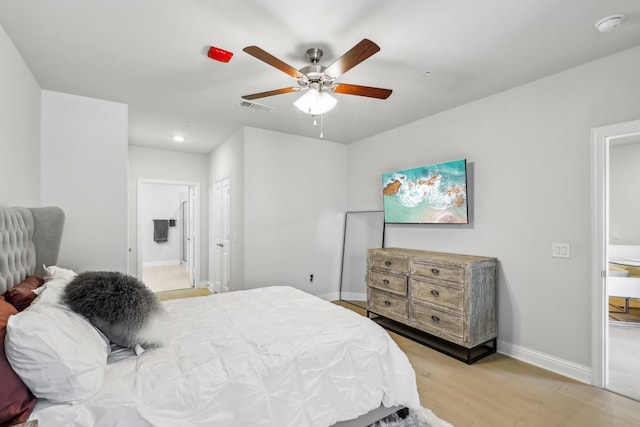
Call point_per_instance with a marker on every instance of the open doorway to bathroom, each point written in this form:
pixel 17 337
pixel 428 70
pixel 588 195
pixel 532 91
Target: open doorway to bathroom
pixel 167 235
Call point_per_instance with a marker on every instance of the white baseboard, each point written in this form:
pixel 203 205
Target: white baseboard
pixel 353 296
pixel 161 263
pixel 336 296
pixel 332 296
pixel 205 284
pixel 550 363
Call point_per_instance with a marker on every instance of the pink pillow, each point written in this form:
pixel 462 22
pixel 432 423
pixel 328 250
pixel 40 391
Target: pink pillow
pixel 16 401
pixel 21 295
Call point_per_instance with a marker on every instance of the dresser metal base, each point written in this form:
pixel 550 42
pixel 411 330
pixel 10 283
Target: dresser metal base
pixel 464 354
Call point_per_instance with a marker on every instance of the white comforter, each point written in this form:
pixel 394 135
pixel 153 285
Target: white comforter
pixel 265 357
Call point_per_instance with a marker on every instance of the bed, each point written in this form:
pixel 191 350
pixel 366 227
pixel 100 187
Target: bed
pixel 273 356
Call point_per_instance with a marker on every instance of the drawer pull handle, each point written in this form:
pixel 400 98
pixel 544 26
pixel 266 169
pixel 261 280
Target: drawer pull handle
pixel 387 303
pixel 388 263
pixel 435 271
pixel 435 293
pixel 385 281
pixel 435 318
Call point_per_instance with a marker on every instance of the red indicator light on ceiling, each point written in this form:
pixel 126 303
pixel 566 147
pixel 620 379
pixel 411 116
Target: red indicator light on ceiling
pixel 219 54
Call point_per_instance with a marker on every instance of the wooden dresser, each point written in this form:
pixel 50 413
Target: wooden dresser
pixel 446 301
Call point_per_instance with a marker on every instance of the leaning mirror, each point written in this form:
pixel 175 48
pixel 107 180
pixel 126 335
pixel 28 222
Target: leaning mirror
pixel 363 230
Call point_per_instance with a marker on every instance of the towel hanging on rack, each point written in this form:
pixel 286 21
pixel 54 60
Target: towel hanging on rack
pixel 160 230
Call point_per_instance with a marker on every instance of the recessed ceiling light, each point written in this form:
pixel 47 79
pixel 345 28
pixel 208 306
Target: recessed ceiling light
pixel 610 23
pixel 178 138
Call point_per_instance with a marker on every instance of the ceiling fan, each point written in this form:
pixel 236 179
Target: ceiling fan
pixel 317 79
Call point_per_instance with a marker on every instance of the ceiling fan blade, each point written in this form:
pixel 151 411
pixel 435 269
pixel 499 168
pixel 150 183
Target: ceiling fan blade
pixel 353 57
pixel 371 92
pixel 270 93
pixel 273 61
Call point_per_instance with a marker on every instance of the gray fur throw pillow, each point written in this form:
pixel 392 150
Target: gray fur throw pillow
pixel 120 305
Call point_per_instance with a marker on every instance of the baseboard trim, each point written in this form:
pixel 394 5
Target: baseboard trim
pixel 353 296
pixel 206 284
pixel 333 296
pixel 545 361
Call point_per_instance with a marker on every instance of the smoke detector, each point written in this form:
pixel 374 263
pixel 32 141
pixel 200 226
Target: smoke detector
pixel 610 23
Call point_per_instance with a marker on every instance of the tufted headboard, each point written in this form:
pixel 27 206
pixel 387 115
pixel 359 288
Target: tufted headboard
pixel 29 238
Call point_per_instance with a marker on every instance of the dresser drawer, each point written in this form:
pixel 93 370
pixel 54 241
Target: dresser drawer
pixel 437 294
pixel 388 282
pixel 388 305
pixel 440 272
pixel 436 321
pixel 399 265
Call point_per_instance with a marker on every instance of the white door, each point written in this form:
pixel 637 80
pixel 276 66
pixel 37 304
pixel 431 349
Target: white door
pixel 221 234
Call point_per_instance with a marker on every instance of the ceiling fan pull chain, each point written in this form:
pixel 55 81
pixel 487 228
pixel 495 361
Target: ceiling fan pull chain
pixel 322 126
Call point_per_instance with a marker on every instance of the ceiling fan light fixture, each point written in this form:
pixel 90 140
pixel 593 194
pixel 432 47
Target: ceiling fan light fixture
pixel 315 102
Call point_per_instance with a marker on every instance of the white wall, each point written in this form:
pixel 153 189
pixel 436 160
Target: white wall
pixel 84 171
pixel 20 129
pixel 165 165
pixel 529 155
pixel 227 160
pixel 624 194
pixel 161 201
pixel 294 205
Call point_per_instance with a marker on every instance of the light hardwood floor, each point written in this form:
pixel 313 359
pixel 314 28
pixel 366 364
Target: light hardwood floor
pixel 183 293
pixel 501 391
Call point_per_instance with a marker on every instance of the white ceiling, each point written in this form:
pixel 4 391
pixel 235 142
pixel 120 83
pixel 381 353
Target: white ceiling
pixel 151 54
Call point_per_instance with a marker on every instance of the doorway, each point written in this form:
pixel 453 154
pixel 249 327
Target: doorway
pixel 616 248
pixel 221 234
pixel 168 234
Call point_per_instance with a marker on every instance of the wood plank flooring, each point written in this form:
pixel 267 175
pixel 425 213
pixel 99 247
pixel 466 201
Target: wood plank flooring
pixel 183 293
pixel 501 391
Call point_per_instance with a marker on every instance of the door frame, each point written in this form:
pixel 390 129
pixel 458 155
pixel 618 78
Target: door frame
pixel 194 267
pixel 601 138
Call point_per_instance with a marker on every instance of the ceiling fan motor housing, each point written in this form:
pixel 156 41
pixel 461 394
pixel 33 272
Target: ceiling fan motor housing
pixel 317 77
pixel 314 74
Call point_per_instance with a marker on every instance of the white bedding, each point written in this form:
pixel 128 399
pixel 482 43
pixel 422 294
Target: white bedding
pixel 265 357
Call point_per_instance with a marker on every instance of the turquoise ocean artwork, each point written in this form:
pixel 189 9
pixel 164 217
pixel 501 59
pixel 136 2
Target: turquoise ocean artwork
pixel 434 194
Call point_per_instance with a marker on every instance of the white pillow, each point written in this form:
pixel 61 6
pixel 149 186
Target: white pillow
pixel 55 272
pixel 58 354
pixel 56 279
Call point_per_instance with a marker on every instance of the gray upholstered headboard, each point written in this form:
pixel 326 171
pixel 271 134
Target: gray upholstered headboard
pixel 29 238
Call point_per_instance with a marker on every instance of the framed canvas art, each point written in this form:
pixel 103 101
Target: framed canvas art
pixel 433 194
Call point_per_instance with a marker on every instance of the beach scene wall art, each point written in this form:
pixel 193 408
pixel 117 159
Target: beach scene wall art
pixel 433 194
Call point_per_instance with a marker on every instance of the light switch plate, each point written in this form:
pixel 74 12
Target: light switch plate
pixel 560 250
